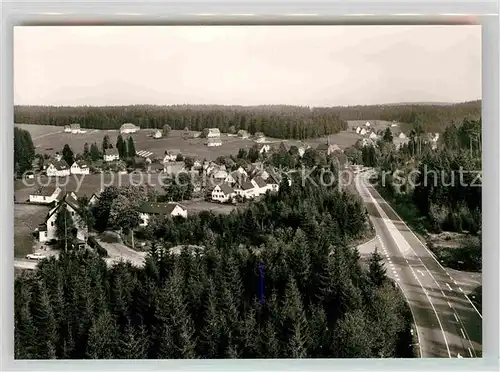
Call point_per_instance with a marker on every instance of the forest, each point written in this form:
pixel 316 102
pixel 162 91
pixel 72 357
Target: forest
pixel 276 280
pixel 275 121
pixel 428 118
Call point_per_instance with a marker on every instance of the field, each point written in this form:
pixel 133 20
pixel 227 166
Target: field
pixel 26 219
pixel 51 139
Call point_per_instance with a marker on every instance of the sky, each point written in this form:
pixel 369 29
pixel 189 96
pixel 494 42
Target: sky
pixel 246 65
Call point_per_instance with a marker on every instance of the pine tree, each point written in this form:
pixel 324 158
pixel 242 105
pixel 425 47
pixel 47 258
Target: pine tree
pixel 106 142
pixel 377 271
pixel 134 343
pixel 103 337
pixel 121 147
pixel 130 148
pixel 44 320
pixel 67 155
pixel 86 151
pixel 95 154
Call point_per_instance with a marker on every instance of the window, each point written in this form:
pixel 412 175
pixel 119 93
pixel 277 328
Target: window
pixel 72 213
pixel 45 233
pixel 52 223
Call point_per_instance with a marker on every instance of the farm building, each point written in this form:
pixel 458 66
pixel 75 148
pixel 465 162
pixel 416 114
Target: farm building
pixel 146 210
pixel 223 193
pixel 214 142
pixel 244 188
pixel 260 185
pixel 93 199
pixel 157 135
pixel 327 148
pixel 79 167
pixel 111 155
pixel 45 195
pixel 75 128
pixel 363 131
pixel 373 136
pixel 243 134
pixel 58 169
pixel 402 135
pixel 398 142
pixel 47 231
pixel 367 124
pixel 129 128
pixel 213 133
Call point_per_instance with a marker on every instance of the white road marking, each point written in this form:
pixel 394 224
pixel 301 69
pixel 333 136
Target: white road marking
pixel 463 334
pixel 397 236
pixel 423 245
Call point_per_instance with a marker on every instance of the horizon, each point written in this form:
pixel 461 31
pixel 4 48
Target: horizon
pixel 309 66
pixel 416 103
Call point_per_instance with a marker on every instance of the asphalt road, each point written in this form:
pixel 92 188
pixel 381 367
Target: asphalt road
pixel 448 325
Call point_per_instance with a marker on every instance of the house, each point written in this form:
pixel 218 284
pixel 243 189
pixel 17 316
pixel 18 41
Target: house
pixel 373 136
pixel 259 137
pixel 402 135
pixel 260 185
pixel 45 195
pixel 128 128
pixel 263 148
pixel 148 209
pixel 363 131
pixel 170 156
pixel 173 168
pixel 75 128
pixel 47 230
pixel 358 130
pixel 367 142
pixel 94 198
pixel 222 193
pixel 58 169
pixel 273 181
pixel 111 155
pixel 213 133
pixel 67 129
pixel 244 188
pixel 157 135
pixel 220 174
pixel 80 167
pixel 197 164
pixel 367 124
pixel 243 134
pixel 327 148
pixel 213 141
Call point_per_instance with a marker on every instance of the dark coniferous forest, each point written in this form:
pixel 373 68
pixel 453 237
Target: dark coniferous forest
pixel 207 302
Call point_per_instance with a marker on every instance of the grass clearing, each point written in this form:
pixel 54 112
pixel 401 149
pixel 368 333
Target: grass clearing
pixel 26 219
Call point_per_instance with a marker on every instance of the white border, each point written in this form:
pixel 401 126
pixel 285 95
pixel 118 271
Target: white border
pixel 260 12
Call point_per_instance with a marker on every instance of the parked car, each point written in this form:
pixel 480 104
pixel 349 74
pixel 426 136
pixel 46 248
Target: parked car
pixel 35 256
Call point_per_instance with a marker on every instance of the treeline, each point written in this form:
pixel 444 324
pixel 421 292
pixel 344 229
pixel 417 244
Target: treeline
pixel 427 117
pixel 274 121
pixel 275 281
pixel 24 151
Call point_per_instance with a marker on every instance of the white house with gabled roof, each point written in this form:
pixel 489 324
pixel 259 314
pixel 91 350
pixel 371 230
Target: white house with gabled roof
pixel 45 195
pixel 80 167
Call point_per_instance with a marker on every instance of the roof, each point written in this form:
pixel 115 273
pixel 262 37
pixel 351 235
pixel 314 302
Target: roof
pixel 285 146
pixel 226 189
pixel 159 208
pixel 67 199
pixel 128 126
pixel 111 152
pixel 81 163
pixel 74 126
pixel 242 132
pixel 260 181
pixel 59 164
pixel 247 185
pixel 214 131
pixel 45 190
pixel 322 147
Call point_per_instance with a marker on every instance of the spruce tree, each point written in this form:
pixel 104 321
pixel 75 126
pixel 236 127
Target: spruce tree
pixel 130 147
pixel 121 147
pixel 377 271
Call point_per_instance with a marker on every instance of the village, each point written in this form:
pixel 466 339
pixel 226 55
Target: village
pixel 220 185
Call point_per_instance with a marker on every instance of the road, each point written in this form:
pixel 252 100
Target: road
pixel 448 324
